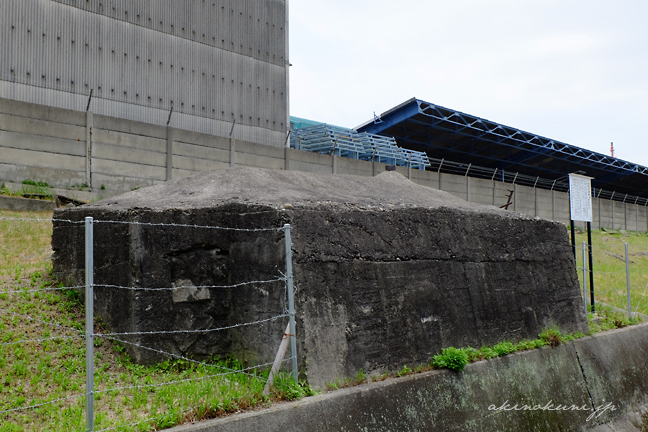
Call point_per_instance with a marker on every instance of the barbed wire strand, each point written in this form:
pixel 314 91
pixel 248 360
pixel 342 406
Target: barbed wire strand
pixel 608 273
pixel 181 381
pixel 184 412
pixel 178 356
pixel 79 222
pixel 190 226
pixel 269 281
pixel 643 296
pixel 96 221
pixel 42 340
pixel 43 322
pixel 42 290
pixel 41 220
pixel 43 404
pixel 189 286
pixel 181 357
pixel 274 318
pixel 76 396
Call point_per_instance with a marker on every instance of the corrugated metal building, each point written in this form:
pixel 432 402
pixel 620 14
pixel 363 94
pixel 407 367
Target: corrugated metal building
pixel 214 62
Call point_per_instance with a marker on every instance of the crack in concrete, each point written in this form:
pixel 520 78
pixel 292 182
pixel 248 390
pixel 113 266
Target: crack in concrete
pixel 584 377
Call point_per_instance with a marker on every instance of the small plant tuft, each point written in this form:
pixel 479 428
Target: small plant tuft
pixel 405 371
pixel 359 378
pixel 451 358
pixel 504 348
pixel 286 388
pixel 551 337
pixel 35 183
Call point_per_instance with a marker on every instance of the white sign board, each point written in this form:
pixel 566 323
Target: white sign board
pixel 580 197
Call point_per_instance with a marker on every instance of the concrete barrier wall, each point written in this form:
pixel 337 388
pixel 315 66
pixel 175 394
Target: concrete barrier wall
pixel 481 191
pixel 604 376
pixel 41 142
pixel 65 147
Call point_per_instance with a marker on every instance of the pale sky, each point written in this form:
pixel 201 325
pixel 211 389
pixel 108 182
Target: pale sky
pixel 574 71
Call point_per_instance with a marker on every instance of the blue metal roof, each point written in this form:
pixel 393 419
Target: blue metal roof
pixel 444 133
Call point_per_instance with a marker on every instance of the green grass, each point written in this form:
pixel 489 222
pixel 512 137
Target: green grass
pixel 30 188
pixel 609 271
pixel 37 372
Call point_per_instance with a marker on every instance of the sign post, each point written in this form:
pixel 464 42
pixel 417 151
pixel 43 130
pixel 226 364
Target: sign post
pixel 580 209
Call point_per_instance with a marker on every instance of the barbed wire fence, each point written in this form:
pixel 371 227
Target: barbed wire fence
pixel 90 335
pixel 616 284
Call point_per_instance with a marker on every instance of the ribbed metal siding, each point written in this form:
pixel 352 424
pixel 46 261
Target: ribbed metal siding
pixel 252 28
pixel 151 53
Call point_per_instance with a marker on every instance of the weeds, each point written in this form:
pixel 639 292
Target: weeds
pixel 451 358
pixel 38 372
pixel 286 388
pixel 35 183
pixel 404 372
pixel 551 337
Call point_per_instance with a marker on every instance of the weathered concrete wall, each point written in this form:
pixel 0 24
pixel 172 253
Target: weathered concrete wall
pixel 590 373
pixel 66 147
pixel 213 63
pixel 24 204
pixel 420 280
pixel 388 272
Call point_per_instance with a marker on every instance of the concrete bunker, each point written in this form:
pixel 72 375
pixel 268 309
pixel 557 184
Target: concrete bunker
pixel 387 272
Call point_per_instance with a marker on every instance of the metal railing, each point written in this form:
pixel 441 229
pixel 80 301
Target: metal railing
pixel 348 143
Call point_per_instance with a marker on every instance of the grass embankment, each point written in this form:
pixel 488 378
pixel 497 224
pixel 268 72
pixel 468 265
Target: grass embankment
pixel 41 362
pixel 29 189
pixel 610 268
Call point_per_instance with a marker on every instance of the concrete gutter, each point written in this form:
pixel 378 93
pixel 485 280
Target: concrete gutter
pixel 25 204
pixel 608 368
pixel 62 197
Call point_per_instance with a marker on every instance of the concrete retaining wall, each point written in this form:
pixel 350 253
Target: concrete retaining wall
pixel 65 147
pixel 24 204
pixel 589 373
pixel 214 63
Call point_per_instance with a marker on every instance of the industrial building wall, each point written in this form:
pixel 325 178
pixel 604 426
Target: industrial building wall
pixel 65 147
pixel 215 62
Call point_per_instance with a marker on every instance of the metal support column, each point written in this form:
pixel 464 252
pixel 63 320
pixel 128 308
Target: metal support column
pixel 627 261
pixel 89 321
pixel 591 264
pixel 232 146
pixel 291 301
pixel 585 277
pixel 169 155
pixel 89 125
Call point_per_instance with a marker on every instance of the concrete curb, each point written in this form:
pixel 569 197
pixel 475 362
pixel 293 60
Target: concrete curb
pixel 588 373
pixel 25 204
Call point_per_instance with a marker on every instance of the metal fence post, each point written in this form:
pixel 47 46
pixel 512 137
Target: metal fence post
pixel 291 301
pixel 585 276
pixel 628 280
pixel 89 334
